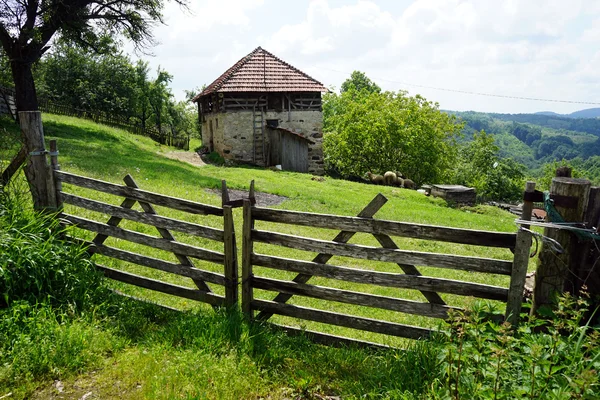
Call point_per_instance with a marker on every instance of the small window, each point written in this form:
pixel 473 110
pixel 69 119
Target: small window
pixel 272 123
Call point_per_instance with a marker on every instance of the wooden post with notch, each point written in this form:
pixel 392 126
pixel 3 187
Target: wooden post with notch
pixel 520 263
pixel 553 269
pixel 247 250
pixel 231 267
pixel 37 170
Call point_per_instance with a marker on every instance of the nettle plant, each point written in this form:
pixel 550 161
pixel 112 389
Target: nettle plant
pixel 556 356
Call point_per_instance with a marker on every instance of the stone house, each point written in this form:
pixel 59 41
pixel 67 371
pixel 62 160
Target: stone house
pixel 265 112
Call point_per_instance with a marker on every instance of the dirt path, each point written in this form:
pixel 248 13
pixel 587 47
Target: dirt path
pixel 188 156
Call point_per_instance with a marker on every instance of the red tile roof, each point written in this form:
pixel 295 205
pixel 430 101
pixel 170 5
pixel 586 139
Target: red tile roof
pixel 261 71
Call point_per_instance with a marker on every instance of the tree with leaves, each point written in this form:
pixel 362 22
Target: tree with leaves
pixel 358 81
pixel 373 131
pixel 480 166
pixel 27 28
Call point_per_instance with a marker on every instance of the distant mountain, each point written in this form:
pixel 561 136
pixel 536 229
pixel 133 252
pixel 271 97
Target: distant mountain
pixel 587 113
pixel 550 113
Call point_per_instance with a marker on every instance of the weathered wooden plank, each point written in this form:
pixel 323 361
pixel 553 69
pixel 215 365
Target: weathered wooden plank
pixel 351 297
pixel 247 250
pixel 466 263
pixel 342 237
pixel 147 240
pixel 138 194
pixel 146 218
pixel 348 321
pixel 169 288
pixel 330 340
pixel 387 279
pixel 231 267
pixel 520 263
pixel 394 228
pixel 155 263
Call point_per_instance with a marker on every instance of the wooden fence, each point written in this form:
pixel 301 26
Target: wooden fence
pixel 432 288
pixel 117 121
pixel 183 252
pixel 411 277
pixel 180 141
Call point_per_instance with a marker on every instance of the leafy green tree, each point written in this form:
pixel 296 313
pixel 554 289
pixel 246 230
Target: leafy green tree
pixel 480 166
pixel 373 131
pixel 27 28
pixel 92 82
pixel 359 81
pixel 159 97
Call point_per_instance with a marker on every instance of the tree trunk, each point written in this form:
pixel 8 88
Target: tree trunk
pixel 25 96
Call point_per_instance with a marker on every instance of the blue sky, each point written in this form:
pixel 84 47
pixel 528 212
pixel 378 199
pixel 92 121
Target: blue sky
pixel 542 49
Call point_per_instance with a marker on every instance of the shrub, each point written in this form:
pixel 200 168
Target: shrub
pixel 494 178
pixel 37 264
pixel 215 158
pixel 557 357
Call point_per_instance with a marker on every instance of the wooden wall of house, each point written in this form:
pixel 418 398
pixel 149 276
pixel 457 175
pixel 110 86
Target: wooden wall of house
pixel 287 150
pixel 294 153
pixel 280 102
pixel 274 150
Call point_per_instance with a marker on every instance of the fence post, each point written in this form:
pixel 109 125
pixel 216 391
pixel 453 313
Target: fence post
pixel 520 263
pixel 231 267
pixel 38 172
pixel 247 250
pixel 55 167
pixel 552 270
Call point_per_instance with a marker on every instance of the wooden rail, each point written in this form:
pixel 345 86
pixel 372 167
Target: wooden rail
pixel 466 263
pixel 141 238
pixel 168 288
pixel 373 226
pixel 387 279
pixel 138 194
pixel 145 218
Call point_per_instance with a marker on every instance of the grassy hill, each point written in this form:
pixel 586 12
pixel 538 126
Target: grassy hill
pixel 256 363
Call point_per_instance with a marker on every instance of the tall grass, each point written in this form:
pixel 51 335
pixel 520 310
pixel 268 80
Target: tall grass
pixel 36 265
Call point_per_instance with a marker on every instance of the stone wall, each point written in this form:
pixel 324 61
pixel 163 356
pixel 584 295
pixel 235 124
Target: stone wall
pixel 232 134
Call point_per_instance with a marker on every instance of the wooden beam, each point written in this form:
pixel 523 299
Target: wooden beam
pixel 143 217
pixel 147 240
pixel 387 279
pixel 138 194
pixel 168 288
pixel 155 263
pixel 356 298
pixel 466 263
pixel 394 228
pixel 348 321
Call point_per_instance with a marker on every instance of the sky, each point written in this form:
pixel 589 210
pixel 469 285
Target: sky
pixel 545 49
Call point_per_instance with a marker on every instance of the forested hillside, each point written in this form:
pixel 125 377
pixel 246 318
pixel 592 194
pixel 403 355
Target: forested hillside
pixel 535 140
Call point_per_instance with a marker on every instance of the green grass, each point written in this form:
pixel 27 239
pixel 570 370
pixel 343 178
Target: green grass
pixel 202 354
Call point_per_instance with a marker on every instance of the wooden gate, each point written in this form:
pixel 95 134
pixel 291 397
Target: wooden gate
pixel 183 252
pixel 411 278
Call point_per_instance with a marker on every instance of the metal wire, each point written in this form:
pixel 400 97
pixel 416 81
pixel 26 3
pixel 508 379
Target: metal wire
pixel 554 245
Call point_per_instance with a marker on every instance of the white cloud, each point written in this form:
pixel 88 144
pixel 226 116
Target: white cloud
pixel 529 48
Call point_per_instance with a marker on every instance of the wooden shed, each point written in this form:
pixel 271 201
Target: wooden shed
pixel 288 149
